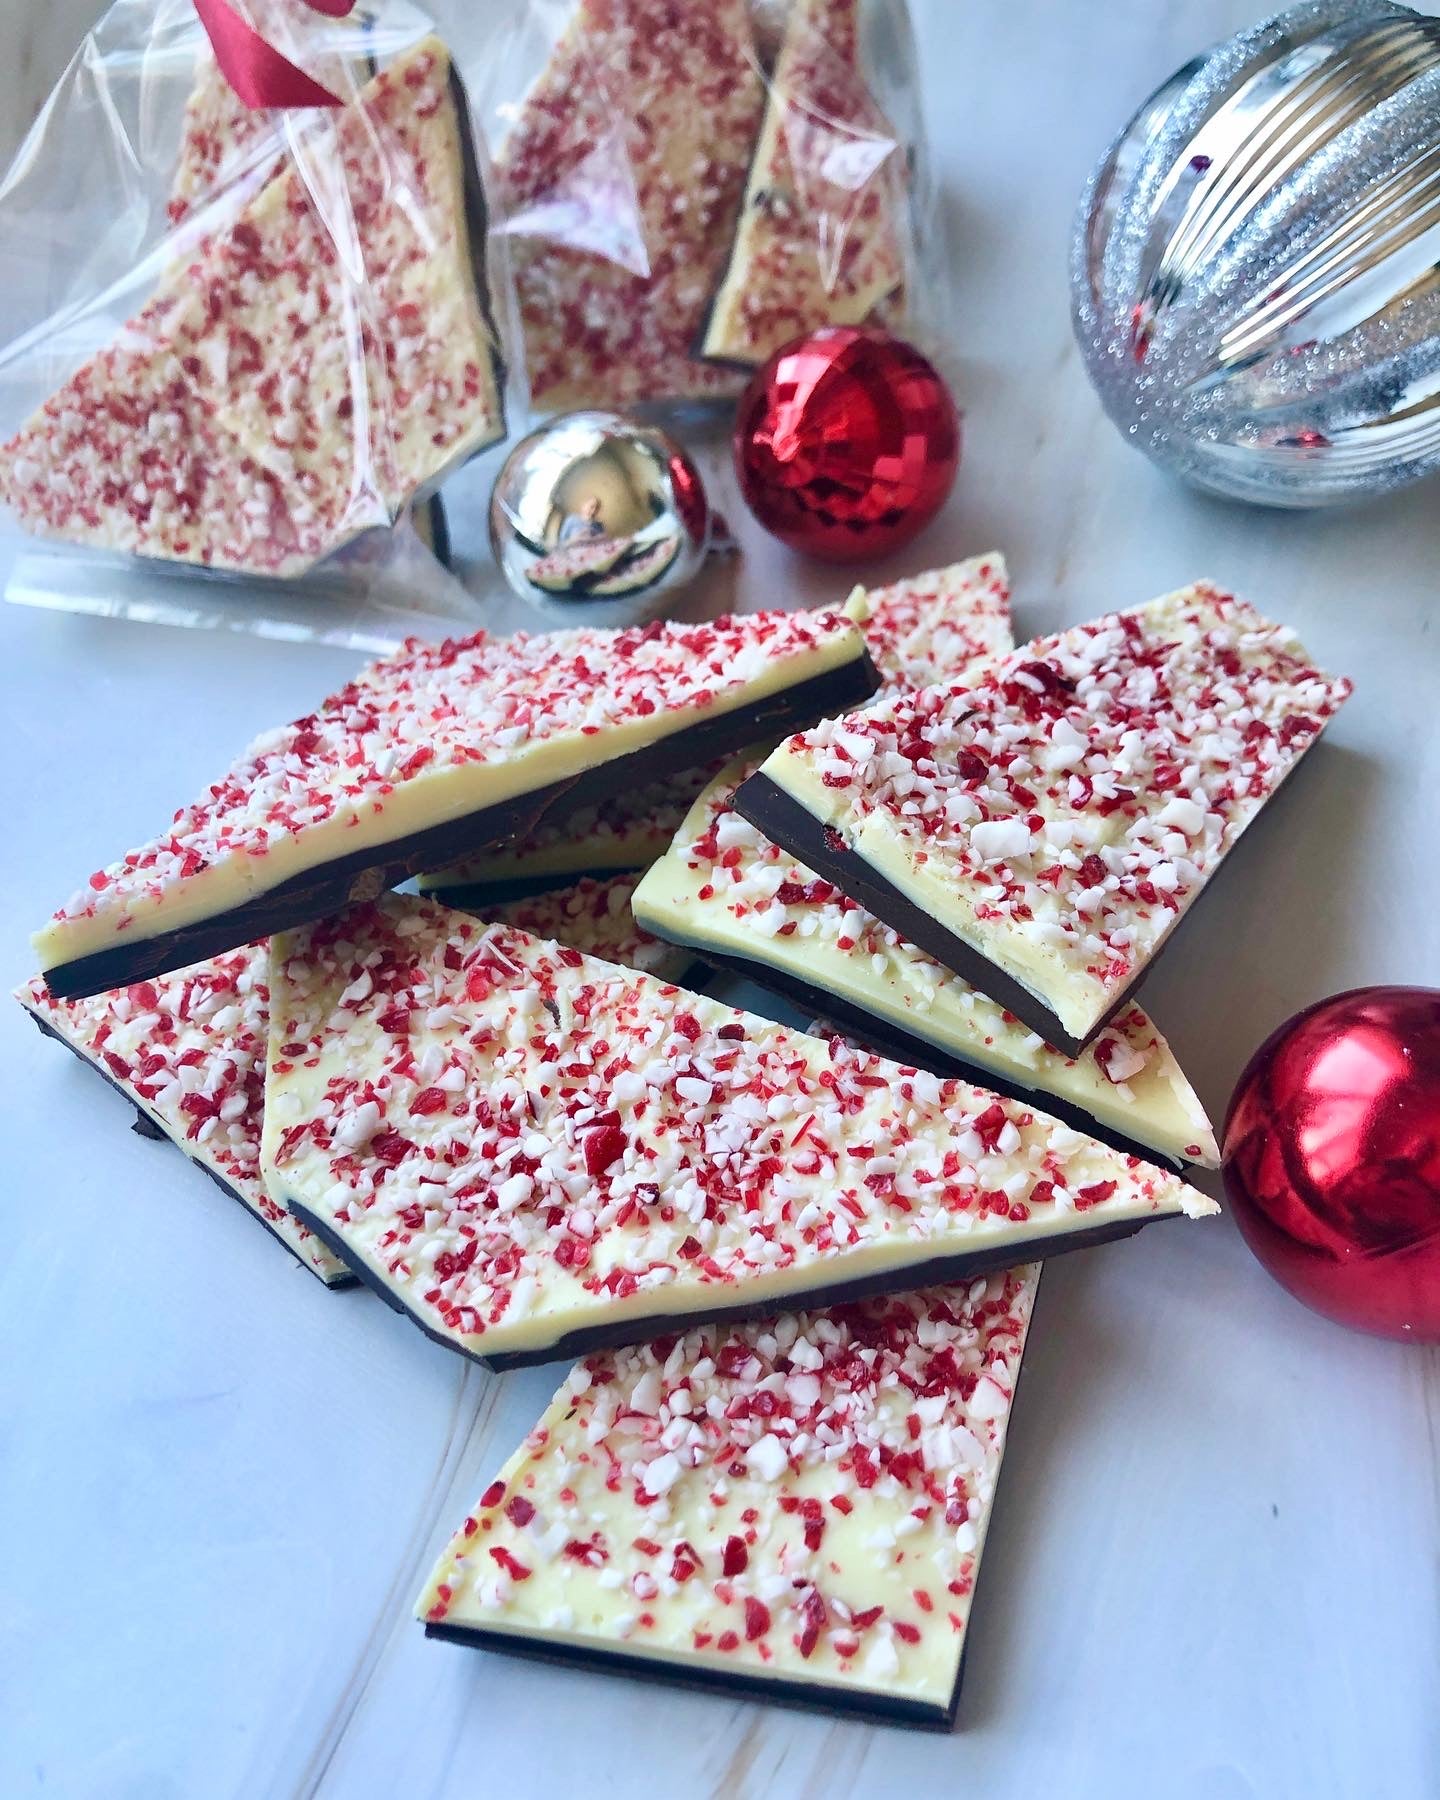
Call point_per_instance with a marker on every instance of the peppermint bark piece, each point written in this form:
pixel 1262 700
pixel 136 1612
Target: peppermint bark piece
pixel 795 1509
pixel 436 751
pixel 1041 830
pixel 620 181
pixel 818 239
pixel 595 917
pixel 188 1050
pixel 277 397
pixel 915 630
pixel 336 327
pixel 764 915
pixel 533 1152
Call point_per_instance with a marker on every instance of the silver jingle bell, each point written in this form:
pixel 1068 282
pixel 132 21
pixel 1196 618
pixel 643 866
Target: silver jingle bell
pixel 1254 270
pixel 594 507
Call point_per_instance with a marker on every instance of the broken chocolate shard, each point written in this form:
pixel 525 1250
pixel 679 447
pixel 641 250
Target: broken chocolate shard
pixel 818 239
pixel 1041 829
pixel 620 1153
pixel 800 1516
pixel 159 1049
pixel 366 791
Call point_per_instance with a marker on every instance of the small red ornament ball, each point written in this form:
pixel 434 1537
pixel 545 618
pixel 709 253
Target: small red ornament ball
pixel 1332 1159
pixel 846 443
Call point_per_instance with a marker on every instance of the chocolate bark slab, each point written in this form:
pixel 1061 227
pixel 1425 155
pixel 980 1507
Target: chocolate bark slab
pixel 822 1548
pixel 1047 824
pixel 845 675
pixel 531 1151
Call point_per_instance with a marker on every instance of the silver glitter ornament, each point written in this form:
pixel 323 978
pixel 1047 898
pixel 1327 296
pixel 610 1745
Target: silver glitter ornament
pixel 593 507
pixel 1254 272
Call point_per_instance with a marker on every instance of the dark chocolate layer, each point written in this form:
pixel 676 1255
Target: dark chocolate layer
pixel 784 820
pixel 144 1126
pixel 888 1039
pixel 615 1334
pixel 880 1708
pixel 365 874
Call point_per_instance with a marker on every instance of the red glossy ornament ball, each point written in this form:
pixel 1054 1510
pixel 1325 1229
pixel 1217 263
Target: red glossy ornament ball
pixel 1332 1159
pixel 846 443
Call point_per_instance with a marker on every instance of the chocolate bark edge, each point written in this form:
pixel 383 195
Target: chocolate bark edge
pixel 147 1127
pixel 475 896
pixel 783 819
pixel 880 1709
pixel 892 1041
pixel 936 1271
pixel 365 874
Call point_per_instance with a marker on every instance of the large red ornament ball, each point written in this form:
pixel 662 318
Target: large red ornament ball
pixel 1332 1159
pixel 846 443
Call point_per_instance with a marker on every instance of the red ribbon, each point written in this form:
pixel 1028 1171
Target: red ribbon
pixel 257 71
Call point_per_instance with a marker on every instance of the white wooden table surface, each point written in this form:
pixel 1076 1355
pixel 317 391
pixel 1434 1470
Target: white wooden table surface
pixel 1213 1574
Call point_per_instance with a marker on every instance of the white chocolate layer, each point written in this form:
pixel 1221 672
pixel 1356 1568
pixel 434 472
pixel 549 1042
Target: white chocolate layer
pixel 188 1049
pixel 804 1500
pixel 521 1144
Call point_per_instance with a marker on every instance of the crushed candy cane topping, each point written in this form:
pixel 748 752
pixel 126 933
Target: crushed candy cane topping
pixel 501 1127
pixel 191 1046
pixel 594 916
pixel 810 1493
pixel 475 703
pixel 1081 792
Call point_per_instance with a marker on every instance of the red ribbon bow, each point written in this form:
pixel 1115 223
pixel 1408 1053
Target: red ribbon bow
pixel 257 71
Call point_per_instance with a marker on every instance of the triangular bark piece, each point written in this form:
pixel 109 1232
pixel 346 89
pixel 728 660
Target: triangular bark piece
pixel 533 1152
pixel 794 1510
pixel 818 240
pixel 1041 830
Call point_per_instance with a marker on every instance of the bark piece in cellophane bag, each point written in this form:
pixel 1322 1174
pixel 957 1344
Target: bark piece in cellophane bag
pixel 256 336
pixel 684 185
